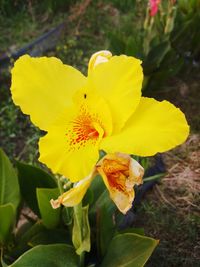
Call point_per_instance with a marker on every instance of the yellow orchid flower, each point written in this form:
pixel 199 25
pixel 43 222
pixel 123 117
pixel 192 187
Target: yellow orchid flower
pixel 119 172
pixel 103 111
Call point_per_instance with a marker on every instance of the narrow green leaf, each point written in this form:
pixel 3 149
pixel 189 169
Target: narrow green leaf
pixel 102 200
pixel 50 216
pixel 30 178
pixel 105 228
pixel 7 215
pixel 57 255
pixel 97 187
pixel 153 177
pixel 88 198
pixel 129 250
pixel 9 187
pixel 101 215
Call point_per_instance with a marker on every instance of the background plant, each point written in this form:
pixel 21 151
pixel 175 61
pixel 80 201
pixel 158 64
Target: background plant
pixel 161 40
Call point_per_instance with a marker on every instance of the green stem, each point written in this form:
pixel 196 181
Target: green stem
pixel 78 216
pixel 82 259
pixel 154 177
pixel 61 189
pixel 2 263
pixel 60 186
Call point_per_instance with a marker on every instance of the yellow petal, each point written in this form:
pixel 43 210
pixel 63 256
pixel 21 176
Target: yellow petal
pixel 119 82
pixel 73 196
pixel 154 127
pixel 98 58
pixel 71 146
pixel 120 173
pixel 43 87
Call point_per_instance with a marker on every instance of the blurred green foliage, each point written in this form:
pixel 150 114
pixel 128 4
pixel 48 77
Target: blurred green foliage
pixel 162 42
pixel 124 6
pixel 185 36
pixel 10 7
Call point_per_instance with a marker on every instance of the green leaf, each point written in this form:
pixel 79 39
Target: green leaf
pixel 104 200
pixel 88 198
pixel 101 218
pixel 30 178
pixel 27 231
pixel 97 187
pixel 7 215
pixel 105 228
pixel 50 236
pixel 81 230
pixel 138 231
pixel 101 215
pixel 57 255
pixel 9 187
pixel 23 237
pixel 101 196
pixel 130 250
pixel 50 216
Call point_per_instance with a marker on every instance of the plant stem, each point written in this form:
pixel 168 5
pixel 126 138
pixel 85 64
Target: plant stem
pixel 61 189
pixel 82 259
pixel 154 177
pixel 78 217
pixel 60 186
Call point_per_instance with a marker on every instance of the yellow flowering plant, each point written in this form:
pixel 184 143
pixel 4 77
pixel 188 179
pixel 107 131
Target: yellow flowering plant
pixel 84 115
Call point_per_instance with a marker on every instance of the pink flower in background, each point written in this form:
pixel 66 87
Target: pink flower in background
pixel 154 7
